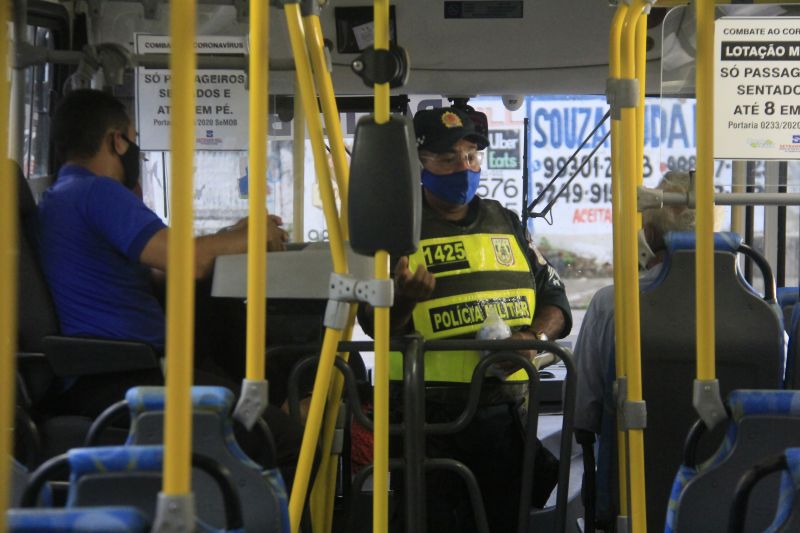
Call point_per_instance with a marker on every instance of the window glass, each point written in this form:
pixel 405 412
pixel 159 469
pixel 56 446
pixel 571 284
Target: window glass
pixel 38 89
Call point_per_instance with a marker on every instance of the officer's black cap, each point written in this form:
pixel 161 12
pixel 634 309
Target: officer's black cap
pixel 439 129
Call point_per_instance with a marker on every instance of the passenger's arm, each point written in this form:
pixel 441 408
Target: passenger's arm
pixel 549 320
pixel 232 240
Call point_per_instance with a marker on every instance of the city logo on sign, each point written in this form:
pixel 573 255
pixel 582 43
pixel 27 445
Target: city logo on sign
pixel 796 139
pixel 504 149
pixel 761 143
pixel 210 134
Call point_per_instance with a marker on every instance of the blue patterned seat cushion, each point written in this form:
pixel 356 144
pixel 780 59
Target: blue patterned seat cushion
pixel 750 403
pixel 682 478
pixel 78 520
pixel 215 399
pixel 790 488
pixel 741 403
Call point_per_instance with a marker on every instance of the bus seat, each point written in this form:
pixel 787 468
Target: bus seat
pixel 749 352
pixel 35 311
pixel 19 478
pixel 763 423
pixel 38 330
pixel 262 493
pixel 793 351
pixel 787 515
pixel 787 298
pixel 84 520
pixel 129 476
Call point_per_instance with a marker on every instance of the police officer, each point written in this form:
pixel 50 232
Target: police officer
pixel 474 256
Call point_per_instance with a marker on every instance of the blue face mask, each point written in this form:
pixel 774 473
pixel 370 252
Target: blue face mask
pixel 457 188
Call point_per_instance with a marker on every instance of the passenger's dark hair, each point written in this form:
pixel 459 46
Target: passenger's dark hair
pixel 82 119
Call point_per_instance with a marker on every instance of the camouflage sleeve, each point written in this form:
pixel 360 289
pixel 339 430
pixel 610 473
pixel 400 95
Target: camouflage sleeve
pixel 550 288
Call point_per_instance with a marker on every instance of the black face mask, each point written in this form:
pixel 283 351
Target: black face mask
pixel 130 164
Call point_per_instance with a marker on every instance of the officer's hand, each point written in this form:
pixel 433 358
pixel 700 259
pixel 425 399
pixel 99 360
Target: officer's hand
pixel 277 237
pixel 508 367
pixel 416 286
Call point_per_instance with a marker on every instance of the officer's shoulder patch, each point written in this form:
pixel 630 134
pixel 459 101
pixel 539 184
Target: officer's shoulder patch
pixel 539 257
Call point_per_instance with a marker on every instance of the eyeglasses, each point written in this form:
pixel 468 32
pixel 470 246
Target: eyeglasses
pixel 453 160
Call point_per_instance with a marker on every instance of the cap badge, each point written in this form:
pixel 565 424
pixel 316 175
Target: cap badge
pixel 451 120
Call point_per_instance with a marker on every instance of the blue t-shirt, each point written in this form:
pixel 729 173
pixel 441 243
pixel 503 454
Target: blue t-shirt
pixel 92 231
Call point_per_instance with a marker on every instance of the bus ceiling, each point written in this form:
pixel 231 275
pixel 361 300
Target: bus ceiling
pixel 478 47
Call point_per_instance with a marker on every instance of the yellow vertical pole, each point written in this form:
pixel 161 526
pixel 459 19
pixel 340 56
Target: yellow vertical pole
pixel 180 254
pixel 298 168
pixel 8 277
pixel 641 75
pixel 257 189
pixel 380 476
pixel 316 48
pixel 322 495
pixel 324 491
pixel 704 189
pixel 332 336
pixel 630 278
pixel 616 210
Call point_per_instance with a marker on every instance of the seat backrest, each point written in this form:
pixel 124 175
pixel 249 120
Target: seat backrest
pixel 763 424
pixel 787 514
pixel 793 351
pixel 263 494
pixel 749 353
pixel 19 479
pixel 84 520
pixel 37 316
pixel 116 475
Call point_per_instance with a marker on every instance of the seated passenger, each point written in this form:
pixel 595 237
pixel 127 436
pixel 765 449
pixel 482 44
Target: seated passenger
pixel 475 254
pixel 98 242
pixel 595 347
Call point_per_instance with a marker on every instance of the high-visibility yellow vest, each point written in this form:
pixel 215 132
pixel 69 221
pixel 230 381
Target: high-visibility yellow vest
pixel 477 267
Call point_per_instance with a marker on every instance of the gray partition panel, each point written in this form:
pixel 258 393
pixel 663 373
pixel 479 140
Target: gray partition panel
pixel 296 274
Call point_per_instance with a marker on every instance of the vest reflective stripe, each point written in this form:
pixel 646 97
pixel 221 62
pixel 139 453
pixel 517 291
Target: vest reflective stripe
pixel 463 314
pixel 466 261
pixel 464 254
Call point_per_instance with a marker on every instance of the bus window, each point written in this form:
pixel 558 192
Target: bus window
pixel 38 87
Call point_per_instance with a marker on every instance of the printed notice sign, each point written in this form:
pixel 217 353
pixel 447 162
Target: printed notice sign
pixel 221 104
pixel 756 88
